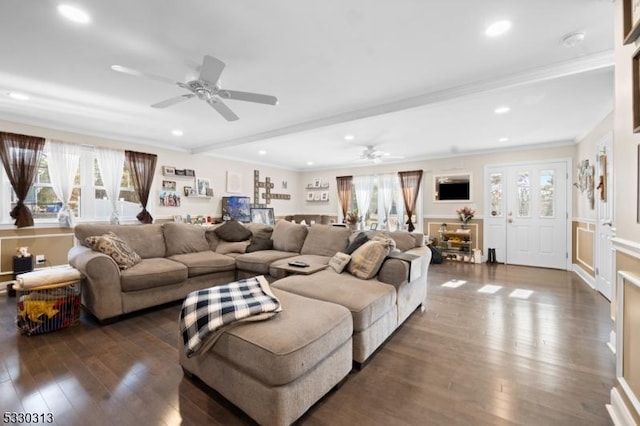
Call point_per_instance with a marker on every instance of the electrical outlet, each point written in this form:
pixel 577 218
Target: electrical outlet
pixel 40 258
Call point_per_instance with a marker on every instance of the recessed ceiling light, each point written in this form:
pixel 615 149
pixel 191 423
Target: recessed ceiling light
pixel 498 28
pixel 309 163
pixel 503 139
pixel 349 137
pixel 262 152
pixel 74 14
pixel 502 110
pixel 18 96
pixel 177 132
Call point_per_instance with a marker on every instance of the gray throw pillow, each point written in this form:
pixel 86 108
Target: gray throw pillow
pixel 258 244
pixel 233 231
pixel 359 240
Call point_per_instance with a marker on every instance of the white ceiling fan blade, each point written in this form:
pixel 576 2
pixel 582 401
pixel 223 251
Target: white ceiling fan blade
pixel 173 101
pixel 224 110
pixel 136 73
pixel 211 69
pixel 249 97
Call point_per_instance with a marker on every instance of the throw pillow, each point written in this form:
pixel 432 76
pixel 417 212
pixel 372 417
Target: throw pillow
pixel 227 247
pixel 339 261
pixel 384 238
pixel 112 245
pixel 359 240
pixel 258 244
pixel 233 231
pixel 367 259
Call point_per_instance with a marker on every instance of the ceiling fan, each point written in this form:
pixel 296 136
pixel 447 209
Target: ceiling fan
pixel 206 88
pixel 370 153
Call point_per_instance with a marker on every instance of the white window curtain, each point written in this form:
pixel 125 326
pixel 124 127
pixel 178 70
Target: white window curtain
pixel 386 186
pixel 63 160
pixel 363 186
pixel 111 164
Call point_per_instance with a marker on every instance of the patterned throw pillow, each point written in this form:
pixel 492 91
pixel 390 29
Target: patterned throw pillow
pixel 367 260
pixel 339 261
pixel 112 245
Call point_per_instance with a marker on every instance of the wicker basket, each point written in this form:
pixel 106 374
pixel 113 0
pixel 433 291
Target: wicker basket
pixel 48 308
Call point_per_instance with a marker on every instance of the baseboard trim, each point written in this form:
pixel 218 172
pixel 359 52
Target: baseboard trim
pixel 618 411
pixel 585 276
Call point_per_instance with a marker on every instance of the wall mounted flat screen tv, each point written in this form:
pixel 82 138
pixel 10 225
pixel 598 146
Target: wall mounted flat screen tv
pixel 454 191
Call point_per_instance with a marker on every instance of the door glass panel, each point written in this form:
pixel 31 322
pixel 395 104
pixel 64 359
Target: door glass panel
pixel 524 194
pixel 496 191
pixel 547 192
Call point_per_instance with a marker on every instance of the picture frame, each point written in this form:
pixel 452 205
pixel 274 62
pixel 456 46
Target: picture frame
pixel 180 172
pixel 316 196
pixel 374 226
pixel 630 20
pixel 324 196
pixel 317 183
pixel 187 190
pixel 263 216
pixel 169 198
pixel 209 192
pixel 169 185
pixel 310 196
pixel 189 172
pixel 202 186
pixel 236 208
pixel 168 170
pixel 234 182
pixel 635 66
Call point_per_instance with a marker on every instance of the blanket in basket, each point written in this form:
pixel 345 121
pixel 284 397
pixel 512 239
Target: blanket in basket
pixel 207 313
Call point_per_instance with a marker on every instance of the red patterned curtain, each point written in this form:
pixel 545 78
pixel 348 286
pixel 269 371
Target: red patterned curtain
pixel 344 192
pixel 143 168
pixel 20 155
pixel 410 184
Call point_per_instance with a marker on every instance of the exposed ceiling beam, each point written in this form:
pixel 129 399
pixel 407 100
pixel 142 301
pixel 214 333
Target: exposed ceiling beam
pixel 563 69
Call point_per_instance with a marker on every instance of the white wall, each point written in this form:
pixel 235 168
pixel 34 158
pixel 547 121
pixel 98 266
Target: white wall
pixel 587 148
pixel 205 166
pixel 472 164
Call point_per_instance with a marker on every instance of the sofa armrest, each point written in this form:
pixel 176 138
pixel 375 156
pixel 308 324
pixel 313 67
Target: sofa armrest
pixel 102 293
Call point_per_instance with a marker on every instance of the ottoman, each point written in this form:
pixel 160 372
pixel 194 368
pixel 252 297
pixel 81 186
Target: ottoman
pixel 275 370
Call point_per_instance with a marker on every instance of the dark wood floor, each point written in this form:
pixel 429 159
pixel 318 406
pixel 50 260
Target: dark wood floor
pixel 472 359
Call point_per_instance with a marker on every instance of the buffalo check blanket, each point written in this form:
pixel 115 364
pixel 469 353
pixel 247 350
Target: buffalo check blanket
pixel 207 313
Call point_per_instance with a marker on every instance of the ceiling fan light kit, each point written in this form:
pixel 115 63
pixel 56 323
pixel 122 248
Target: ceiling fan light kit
pixel 206 88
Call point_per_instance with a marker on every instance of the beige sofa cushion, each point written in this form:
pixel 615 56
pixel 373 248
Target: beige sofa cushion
pixel 146 240
pixel 151 273
pixel 259 230
pixel 233 231
pixel 212 238
pixel 226 247
pixel 325 240
pixel 279 350
pixel 259 261
pixel 288 236
pixel 367 300
pixel 182 238
pixel 205 262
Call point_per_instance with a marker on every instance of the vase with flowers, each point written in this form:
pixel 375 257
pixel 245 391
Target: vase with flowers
pixel 352 219
pixel 465 214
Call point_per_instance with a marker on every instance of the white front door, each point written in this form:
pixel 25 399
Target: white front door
pixel 604 256
pixel 527 218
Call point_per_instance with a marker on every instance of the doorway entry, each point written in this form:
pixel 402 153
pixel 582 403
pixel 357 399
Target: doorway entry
pixel 604 256
pixel 527 213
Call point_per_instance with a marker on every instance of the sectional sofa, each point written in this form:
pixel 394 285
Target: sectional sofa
pixel 276 369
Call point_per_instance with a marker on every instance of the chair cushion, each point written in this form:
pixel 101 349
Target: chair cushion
pixel 150 273
pixel 205 262
pixel 146 240
pixel 233 231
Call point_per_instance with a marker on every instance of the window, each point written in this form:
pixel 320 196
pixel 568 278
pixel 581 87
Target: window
pixel 376 215
pixel 88 199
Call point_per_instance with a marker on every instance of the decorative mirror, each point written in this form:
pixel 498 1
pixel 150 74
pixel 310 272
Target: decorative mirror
pixel 452 188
